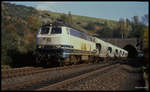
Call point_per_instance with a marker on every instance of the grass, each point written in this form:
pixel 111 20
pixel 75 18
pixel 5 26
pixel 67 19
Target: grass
pixel 5 67
pixel 146 77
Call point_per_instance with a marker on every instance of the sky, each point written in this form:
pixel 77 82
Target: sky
pixel 111 10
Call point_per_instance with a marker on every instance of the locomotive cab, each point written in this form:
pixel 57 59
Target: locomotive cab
pixel 49 35
pixel 52 41
pixel 54 36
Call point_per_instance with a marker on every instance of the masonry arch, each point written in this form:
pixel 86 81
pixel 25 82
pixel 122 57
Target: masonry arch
pixel 132 52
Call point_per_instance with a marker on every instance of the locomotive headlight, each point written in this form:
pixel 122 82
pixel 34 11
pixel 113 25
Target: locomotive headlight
pixel 39 46
pixel 58 46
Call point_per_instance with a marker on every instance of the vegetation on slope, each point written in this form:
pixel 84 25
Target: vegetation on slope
pixel 20 24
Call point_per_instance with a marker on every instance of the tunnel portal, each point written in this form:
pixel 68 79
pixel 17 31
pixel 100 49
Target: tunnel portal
pixel 132 52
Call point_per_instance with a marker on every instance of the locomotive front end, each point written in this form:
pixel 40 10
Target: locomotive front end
pixel 50 43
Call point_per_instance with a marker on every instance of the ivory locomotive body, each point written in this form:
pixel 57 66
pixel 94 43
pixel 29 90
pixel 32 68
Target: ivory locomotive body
pixel 66 44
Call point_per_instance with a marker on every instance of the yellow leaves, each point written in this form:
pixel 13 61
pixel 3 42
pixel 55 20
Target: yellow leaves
pixel 99 28
pixel 146 36
pixel 30 37
pixel 33 21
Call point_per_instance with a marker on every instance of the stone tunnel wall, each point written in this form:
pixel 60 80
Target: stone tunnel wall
pixel 121 42
pixel 127 44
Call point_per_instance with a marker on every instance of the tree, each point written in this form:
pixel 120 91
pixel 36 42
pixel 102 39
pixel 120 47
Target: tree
pixel 90 26
pixel 66 19
pixel 11 27
pixel 33 23
pixel 122 27
pixel 10 36
pixel 63 18
pixel 136 19
pixel 145 37
pixel 125 27
pixel 128 27
pixel 137 28
pixel 105 33
pixel 145 19
pixel 70 22
pixel 116 33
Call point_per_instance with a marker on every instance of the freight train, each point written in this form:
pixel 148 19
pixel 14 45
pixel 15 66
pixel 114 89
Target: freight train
pixel 61 44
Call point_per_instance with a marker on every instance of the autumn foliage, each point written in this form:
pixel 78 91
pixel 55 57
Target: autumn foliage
pixel 19 25
pixel 19 30
pixel 11 27
pixel 146 38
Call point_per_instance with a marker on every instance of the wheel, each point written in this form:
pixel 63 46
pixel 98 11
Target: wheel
pixel 79 59
pixel 74 59
pixel 90 59
pixel 38 61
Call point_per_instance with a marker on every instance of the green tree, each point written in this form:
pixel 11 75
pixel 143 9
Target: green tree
pixel 90 26
pixel 63 19
pixel 128 27
pixel 116 33
pixel 137 28
pixel 122 27
pixel 105 33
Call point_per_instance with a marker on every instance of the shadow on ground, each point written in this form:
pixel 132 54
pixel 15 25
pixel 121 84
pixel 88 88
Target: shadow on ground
pixel 135 62
pixel 19 59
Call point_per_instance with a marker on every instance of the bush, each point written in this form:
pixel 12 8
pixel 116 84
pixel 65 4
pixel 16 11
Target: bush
pixel 5 67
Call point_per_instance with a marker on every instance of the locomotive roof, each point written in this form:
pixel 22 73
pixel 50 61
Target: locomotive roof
pixel 56 24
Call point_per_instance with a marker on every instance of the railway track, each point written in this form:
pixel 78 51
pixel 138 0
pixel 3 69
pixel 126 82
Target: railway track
pixel 38 79
pixel 10 73
pixel 61 84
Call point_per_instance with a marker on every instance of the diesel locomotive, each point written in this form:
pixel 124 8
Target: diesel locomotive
pixel 61 44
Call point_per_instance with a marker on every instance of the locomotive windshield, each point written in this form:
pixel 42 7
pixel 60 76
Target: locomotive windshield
pixel 44 30
pixel 56 31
